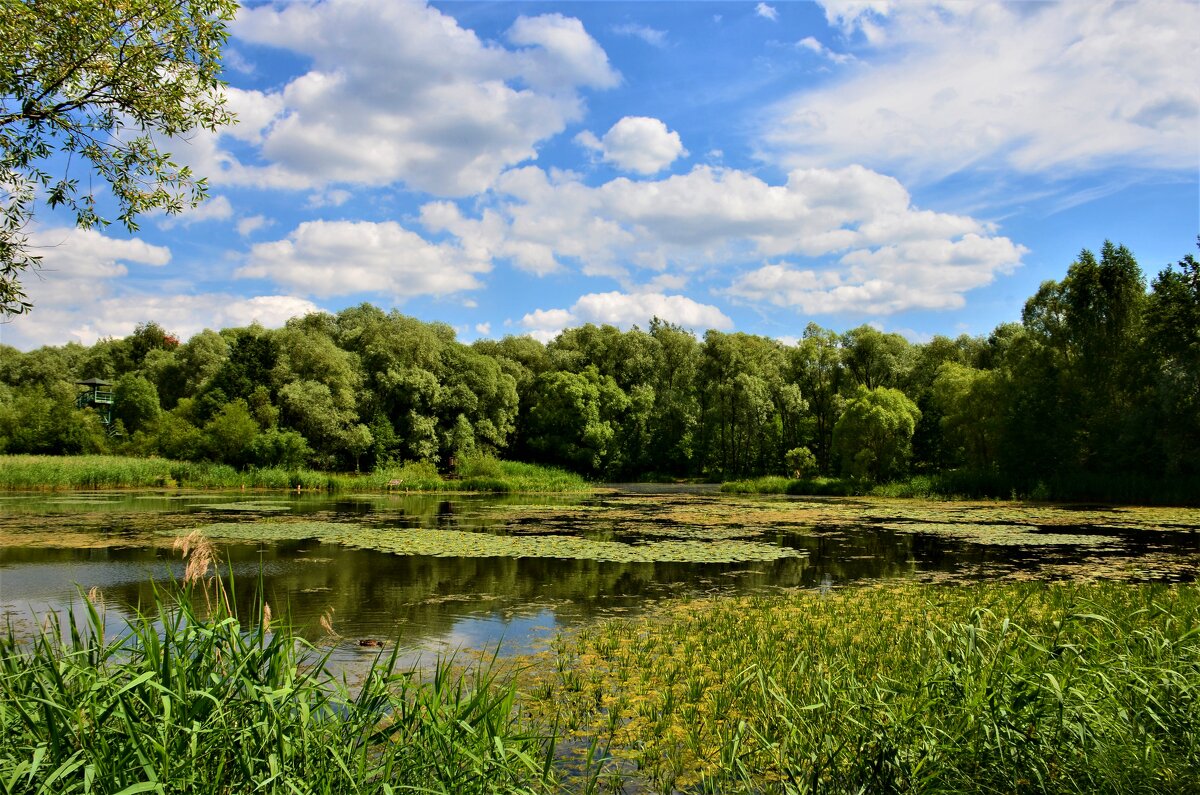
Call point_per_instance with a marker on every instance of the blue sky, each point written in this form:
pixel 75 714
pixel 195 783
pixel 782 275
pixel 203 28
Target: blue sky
pixel 517 168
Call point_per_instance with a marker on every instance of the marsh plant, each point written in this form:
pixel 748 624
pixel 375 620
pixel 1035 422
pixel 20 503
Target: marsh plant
pixel 192 699
pixel 1061 688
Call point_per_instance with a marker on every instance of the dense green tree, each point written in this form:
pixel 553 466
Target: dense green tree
pixel 135 402
pixel 741 375
pixel 969 404
pixel 874 359
pixel 574 419
pixel 675 419
pixel 1082 371
pixel 816 366
pixel 230 434
pixel 873 437
pixel 44 420
pixel 253 354
pixel 1172 330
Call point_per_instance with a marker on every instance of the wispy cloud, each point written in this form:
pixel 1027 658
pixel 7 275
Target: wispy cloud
pixel 1064 88
pixel 652 36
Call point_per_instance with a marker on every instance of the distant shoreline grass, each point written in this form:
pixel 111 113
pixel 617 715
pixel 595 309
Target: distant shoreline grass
pixel 1126 489
pixel 475 474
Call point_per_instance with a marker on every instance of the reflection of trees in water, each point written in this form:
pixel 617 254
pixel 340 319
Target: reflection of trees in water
pixel 381 595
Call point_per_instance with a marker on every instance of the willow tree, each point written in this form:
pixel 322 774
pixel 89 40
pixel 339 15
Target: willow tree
pixel 873 437
pixel 101 84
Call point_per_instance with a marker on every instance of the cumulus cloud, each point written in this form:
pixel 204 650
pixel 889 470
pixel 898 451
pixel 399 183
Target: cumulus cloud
pixel 1047 87
pixel 766 12
pixel 924 274
pixel 624 310
pixel 250 225
pixel 328 258
pixel 70 253
pixel 399 93
pixel 639 144
pixel 80 293
pixel 843 227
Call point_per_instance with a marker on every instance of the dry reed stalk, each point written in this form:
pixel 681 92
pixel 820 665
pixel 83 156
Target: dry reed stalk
pixel 201 554
pixel 327 624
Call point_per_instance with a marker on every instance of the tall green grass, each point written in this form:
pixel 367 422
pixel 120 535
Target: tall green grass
pixel 987 689
pixel 193 700
pixel 965 484
pixel 1029 688
pixel 30 472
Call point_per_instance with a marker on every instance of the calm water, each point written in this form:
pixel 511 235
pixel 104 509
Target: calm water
pixel 55 545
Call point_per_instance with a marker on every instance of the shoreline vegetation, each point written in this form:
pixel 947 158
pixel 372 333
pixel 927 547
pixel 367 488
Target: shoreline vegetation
pixel 1061 688
pixel 1125 489
pixel 476 473
pixel 1093 396
pixel 485 474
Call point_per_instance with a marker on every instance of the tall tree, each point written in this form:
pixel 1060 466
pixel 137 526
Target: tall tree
pixel 873 437
pixel 1173 337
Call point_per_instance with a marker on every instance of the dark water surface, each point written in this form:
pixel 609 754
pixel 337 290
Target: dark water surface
pixel 52 546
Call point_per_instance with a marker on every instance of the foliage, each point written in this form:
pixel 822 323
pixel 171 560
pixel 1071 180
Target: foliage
pixel 102 83
pixel 873 437
pixel 1094 395
pixel 801 462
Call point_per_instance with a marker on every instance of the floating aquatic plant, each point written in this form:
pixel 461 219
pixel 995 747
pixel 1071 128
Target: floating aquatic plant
pixel 458 543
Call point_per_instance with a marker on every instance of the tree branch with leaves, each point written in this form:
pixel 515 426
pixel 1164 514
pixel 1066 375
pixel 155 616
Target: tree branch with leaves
pixel 100 83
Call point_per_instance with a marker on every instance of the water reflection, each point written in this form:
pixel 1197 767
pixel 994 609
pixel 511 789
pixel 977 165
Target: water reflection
pixel 55 546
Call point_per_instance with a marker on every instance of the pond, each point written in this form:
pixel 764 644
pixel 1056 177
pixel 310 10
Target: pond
pixel 449 573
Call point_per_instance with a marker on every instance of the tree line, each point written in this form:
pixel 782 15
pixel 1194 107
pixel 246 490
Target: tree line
pixel 1100 379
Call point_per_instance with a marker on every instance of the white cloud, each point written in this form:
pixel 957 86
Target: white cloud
pixel 923 274
pixel 328 258
pixel 559 54
pixel 215 208
pixel 766 12
pixel 54 323
pixel 1047 87
pixel 844 228
pixel 70 253
pixel 483 328
pixel 813 45
pixel 652 36
pixel 399 93
pixel 250 225
pixel 335 197
pixel 625 310
pixel 636 143
pixel 79 294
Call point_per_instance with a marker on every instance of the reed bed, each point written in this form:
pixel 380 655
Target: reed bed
pixel 964 484
pixel 40 472
pixel 192 700
pixel 991 688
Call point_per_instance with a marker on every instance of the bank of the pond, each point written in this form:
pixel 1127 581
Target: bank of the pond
pixel 899 688
pixel 474 474
pixel 1124 488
